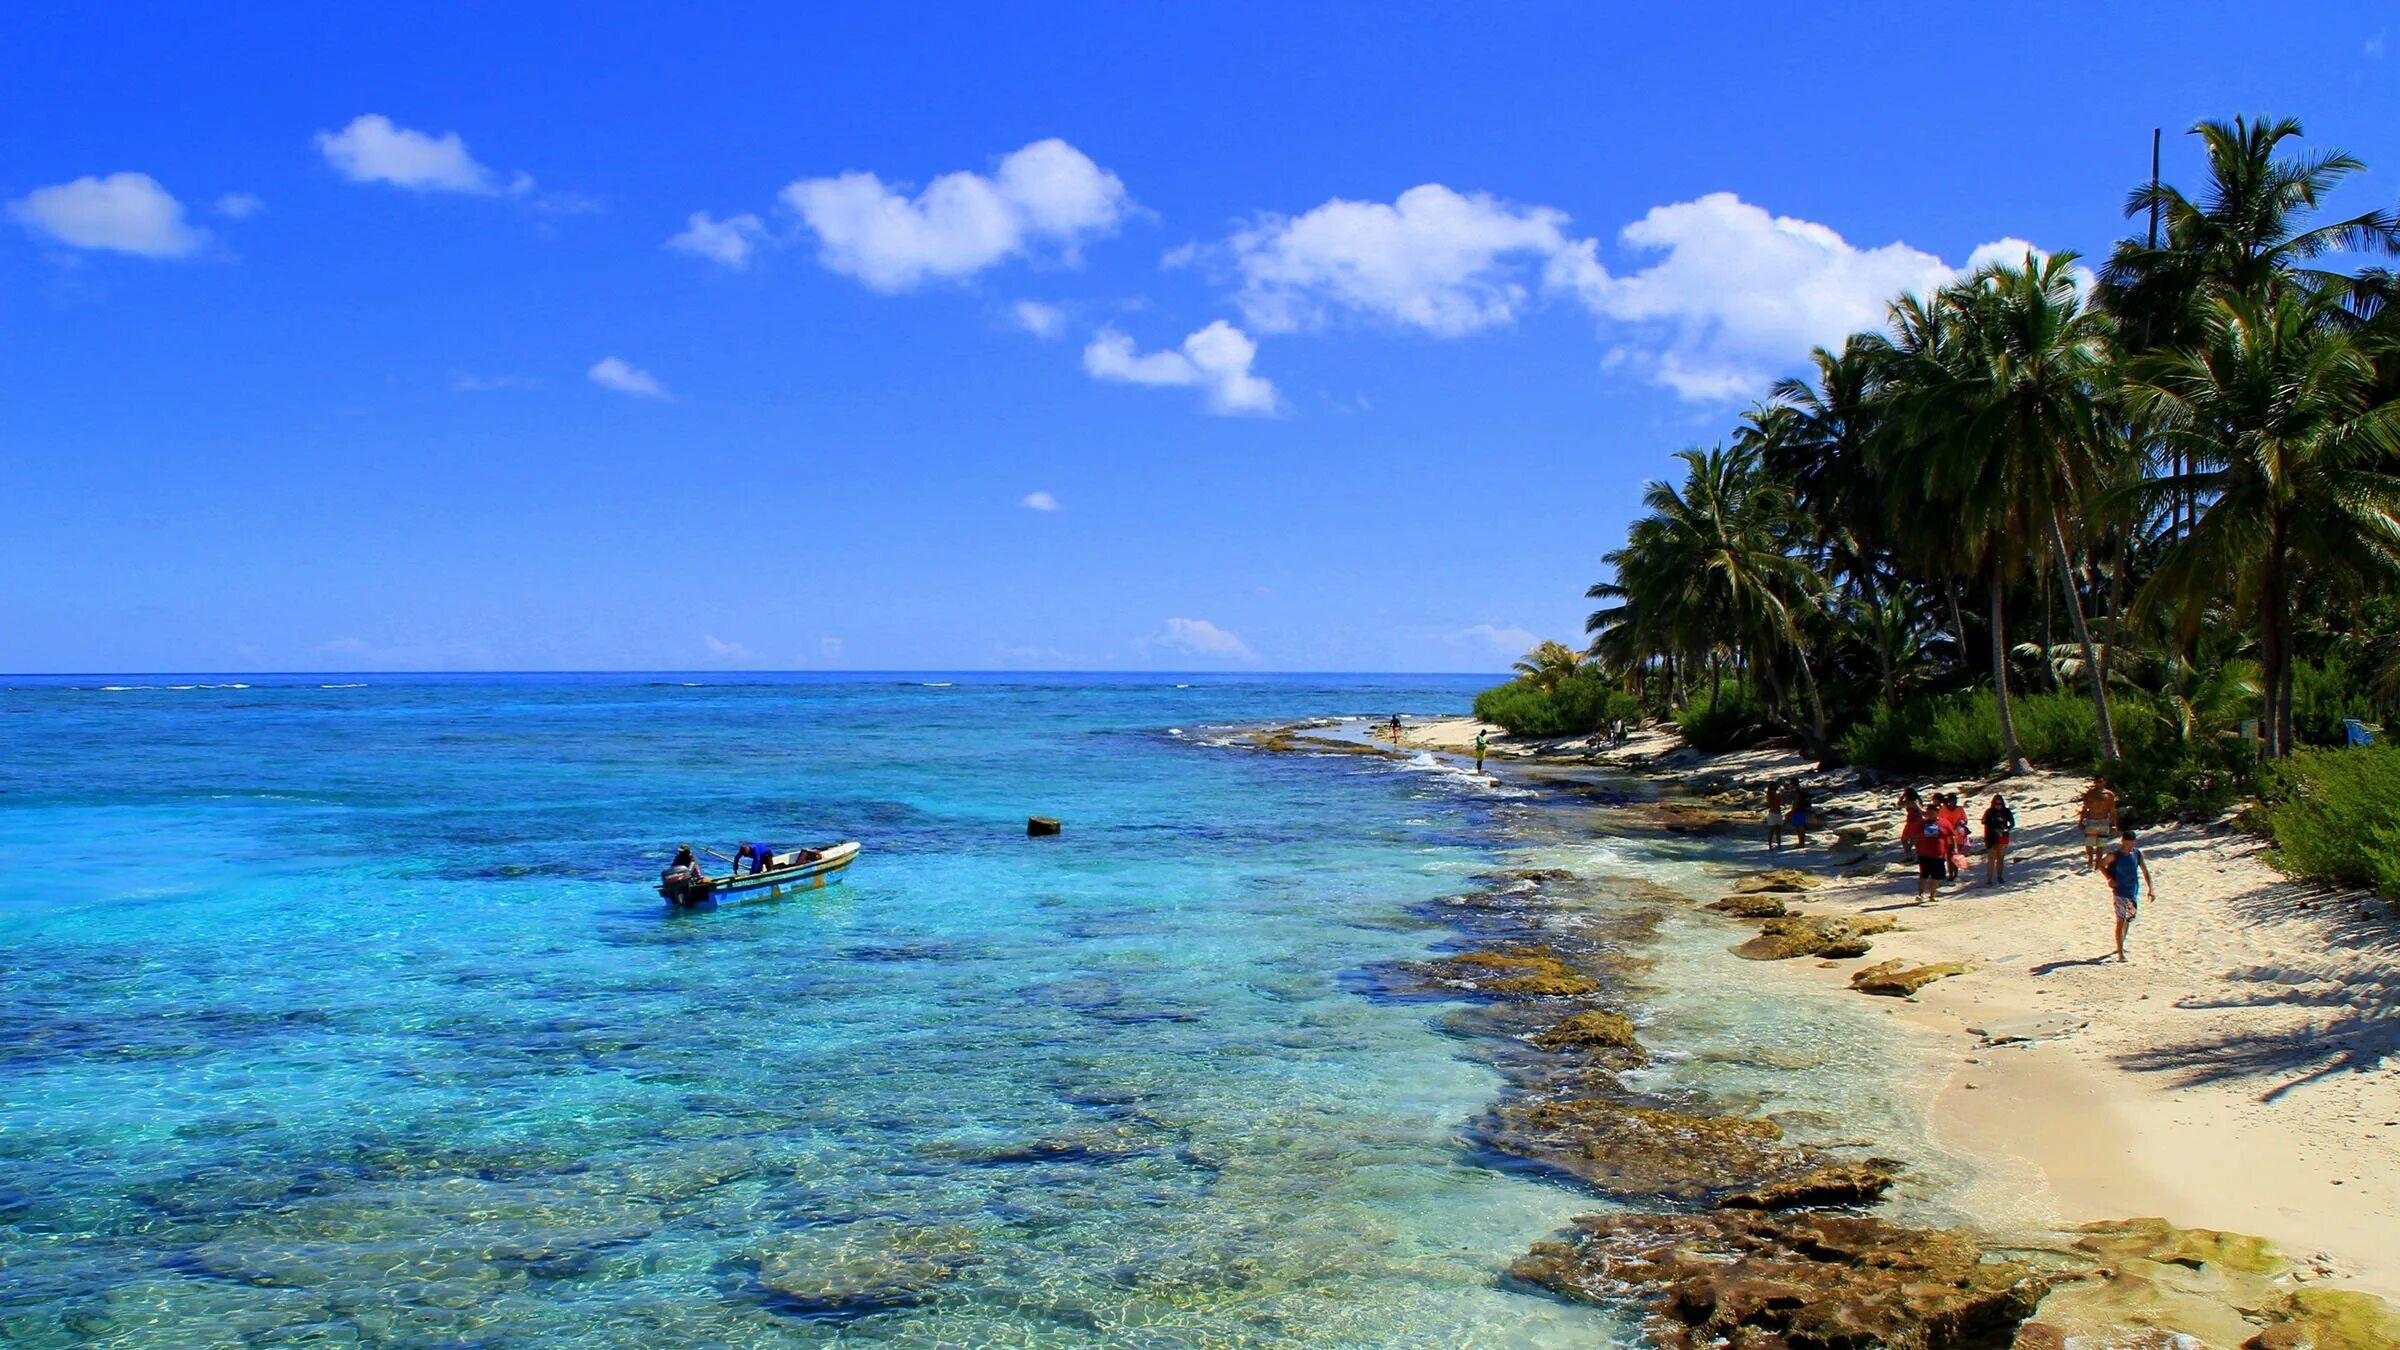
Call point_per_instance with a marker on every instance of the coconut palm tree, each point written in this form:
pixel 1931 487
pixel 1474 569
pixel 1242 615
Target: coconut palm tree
pixel 2291 435
pixel 1717 551
pixel 2024 442
pixel 1549 664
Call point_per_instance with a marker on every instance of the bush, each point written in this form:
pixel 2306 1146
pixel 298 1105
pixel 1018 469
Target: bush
pixel 1578 705
pixel 1727 717
pixel 2323 693
pixel 2335 816
pixel 1960 733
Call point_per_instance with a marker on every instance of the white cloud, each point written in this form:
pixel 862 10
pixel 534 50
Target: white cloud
pixel 124 212
pixel 1198 637
pixel 1730 296
pixel 1216 360
pixel 1044 321
pixel 374 150
pixel 830 648
pixel 611 372
pixel 1433 259
pixel 1039 501
pixel 1509 640
pixel 1047 192
pixel 2374 47
pixel 238 205
pixel 730 241
pixel 725 651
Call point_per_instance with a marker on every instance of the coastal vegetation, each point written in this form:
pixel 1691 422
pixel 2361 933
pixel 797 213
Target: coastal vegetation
pixel 2142 518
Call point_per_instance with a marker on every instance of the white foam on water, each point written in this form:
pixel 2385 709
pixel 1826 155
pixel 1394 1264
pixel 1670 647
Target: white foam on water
pixel 342 686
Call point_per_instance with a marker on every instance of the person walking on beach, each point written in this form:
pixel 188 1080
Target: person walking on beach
pixel 1999 822
pixel 2128 873
pixel 1912 810
pixel 1776 802
pixel 1931 843
pixel 1954 832
pixel 1801 815
pixel 1479 749
pixel 2098 816
pixel 1395 730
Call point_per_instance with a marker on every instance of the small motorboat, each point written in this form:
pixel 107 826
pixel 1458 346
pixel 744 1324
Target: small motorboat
pixel 808 869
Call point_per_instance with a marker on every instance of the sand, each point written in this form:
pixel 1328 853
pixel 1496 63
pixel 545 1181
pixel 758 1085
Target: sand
pixel 2241 1071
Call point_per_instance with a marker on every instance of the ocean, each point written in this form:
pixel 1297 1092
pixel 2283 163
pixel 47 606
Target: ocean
pixel 342 1007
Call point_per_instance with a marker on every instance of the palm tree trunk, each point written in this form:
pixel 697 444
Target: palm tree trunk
pixel 2275 644
pixel 2083 638
pixel 1883 641
pixel 2012 757
pixel 2058 683
pixel 2119 578
pixel 1958 624
pixel 1816 704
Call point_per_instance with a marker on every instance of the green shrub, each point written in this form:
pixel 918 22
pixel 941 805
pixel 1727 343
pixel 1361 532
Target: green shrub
pixel 1579 704
pixel 2335 816
pixel 1960 733
pixel 1727 717
pixel 2323 693
pixel 1885 740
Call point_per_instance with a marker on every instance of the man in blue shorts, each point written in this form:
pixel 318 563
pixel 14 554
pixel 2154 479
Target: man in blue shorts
pixel 2128 875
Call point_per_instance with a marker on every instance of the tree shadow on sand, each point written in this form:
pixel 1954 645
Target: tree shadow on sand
pixel 2349 986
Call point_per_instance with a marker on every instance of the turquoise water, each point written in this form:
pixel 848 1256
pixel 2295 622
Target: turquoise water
pixel 340 1008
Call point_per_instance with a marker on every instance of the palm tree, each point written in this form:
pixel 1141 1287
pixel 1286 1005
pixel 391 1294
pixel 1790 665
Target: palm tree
pixel 2026 446
pixel 2290 433
pixel 1549 664
pixel 1716 553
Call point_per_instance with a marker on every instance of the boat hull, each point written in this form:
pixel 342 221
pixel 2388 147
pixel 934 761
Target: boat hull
pixel 773 884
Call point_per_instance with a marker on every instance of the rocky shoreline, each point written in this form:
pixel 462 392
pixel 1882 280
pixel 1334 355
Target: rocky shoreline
pixel 1726 1230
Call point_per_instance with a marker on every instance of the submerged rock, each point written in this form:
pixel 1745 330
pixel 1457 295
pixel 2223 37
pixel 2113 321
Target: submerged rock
pixel 1896 979
pixel 2202 1285
pixel 1755 906
pixel 1813 935
pixel 1803 1281
pixel 1606 1036
pixel 859 1269
pixel 1535 972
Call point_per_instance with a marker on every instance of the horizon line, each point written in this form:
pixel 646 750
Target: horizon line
pixel 669 670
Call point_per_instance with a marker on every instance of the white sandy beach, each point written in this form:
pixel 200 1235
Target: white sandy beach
pixel 2240 1072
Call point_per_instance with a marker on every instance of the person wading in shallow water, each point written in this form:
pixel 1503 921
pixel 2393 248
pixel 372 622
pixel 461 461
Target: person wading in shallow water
pixel 2128 874
pixel 1480 747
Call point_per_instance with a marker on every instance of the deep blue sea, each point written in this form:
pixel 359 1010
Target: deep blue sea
pixel 341 1007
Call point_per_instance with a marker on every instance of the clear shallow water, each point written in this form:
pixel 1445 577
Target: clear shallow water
pixel 339 1006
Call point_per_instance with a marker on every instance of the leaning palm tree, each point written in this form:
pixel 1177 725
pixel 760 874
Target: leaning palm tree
pixel 1549 664
pixel 2291 436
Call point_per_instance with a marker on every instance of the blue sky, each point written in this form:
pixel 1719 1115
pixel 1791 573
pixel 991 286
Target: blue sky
pixel 643 337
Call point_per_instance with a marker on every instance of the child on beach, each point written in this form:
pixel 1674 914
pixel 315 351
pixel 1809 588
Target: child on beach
pixel 1999 822
pixel 2128 872
pixel 1800 816
pixel 1913 813
pixel 1776 801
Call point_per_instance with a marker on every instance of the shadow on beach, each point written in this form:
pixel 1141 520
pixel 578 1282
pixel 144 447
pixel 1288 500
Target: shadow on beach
pixel 2350 985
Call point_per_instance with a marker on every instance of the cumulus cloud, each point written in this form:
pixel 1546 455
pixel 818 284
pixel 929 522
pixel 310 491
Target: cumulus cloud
pixel 372 149
pixel 1198 637
pixel 725 651
pixel 238 205
pixel 612 372
pixel 1725 296
pixel 729 242
pixel 1038 501
pixel 1215 360
pixel 1045 194
pixel 123 213
pixel 1433 259
pixel 1044 321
